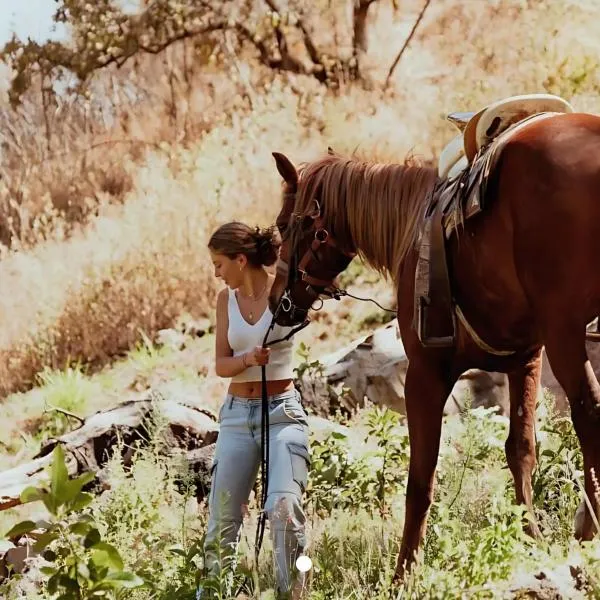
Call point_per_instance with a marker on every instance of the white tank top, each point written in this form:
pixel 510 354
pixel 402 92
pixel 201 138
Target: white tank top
pixel 244 337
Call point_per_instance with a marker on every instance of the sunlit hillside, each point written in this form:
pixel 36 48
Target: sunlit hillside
pixel 108 195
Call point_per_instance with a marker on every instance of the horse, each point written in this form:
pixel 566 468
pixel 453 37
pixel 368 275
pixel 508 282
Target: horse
pixel 523 272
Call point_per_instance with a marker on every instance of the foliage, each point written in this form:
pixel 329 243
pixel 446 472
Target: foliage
pixel 475 542
pixel 104 33
pixel 558 478
pixel 342 479
pixel 309 367
pixel 80 564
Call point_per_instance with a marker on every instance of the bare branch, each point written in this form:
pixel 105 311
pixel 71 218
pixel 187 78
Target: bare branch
pixel 318 69
pixel 406 43
pixel 65 412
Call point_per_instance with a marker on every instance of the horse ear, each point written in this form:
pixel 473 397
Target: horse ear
pixel 286 169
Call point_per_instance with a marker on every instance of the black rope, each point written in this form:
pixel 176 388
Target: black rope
pixel 337 293
pixel 264 440
pixel 264 434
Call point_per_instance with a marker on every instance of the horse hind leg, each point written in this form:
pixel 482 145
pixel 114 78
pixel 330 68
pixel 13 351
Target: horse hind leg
pixel 520 444
pixel 568 358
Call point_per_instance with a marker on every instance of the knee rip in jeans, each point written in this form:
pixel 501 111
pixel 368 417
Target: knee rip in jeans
pixel 284 510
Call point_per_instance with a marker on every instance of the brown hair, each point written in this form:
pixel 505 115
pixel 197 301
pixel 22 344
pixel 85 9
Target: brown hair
pixel 259 246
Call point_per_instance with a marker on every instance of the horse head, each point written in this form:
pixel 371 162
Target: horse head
pixel 310 258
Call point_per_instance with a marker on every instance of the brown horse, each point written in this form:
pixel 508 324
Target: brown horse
pixel 524 273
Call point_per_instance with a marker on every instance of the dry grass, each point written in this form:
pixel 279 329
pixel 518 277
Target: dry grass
pixel 112 240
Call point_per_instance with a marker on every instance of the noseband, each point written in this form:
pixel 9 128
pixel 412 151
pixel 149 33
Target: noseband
pixel 302 266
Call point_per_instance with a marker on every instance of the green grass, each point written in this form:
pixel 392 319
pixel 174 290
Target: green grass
pixel 475 546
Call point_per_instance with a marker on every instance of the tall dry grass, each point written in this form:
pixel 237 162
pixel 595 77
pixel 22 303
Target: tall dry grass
pixel 113 218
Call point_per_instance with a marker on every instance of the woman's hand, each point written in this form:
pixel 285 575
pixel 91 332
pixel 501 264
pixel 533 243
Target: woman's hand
pixel 257 357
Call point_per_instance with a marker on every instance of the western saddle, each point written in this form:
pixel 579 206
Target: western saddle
pixel 464 167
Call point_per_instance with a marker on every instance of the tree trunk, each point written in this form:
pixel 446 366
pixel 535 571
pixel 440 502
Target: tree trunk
pixel 360 43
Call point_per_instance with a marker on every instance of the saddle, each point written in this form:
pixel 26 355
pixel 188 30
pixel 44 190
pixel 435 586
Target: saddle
pixel 464 168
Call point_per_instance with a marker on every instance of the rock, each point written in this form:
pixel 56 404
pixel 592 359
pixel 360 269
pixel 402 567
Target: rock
pixel 321 427
pixel 184 428
pixel 548 584
pixel 15 557
pixel 374 367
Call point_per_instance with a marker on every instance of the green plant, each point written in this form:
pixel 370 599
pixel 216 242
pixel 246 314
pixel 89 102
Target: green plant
pixel 313 369
pixel 80 565
pixel 66 395
pixel 392 443
pixel 556 493
pixel 340 479
pixel 357 272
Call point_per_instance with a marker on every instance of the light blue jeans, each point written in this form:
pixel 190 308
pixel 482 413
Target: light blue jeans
pixel 234 471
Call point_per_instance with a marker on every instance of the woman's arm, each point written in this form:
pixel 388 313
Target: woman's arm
pixel 227 365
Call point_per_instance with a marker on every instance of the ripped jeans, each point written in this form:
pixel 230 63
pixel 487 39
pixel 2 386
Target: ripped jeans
pixel 234 471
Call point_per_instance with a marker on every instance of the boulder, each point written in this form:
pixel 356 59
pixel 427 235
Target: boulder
pixel 374 367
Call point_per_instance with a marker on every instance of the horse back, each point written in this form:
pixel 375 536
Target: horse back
pixel 533 251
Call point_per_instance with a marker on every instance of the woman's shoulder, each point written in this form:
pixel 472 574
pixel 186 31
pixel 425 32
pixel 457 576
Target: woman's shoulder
pixel 223 297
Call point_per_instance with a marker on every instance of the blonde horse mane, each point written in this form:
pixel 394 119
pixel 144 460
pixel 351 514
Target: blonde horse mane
pixel 376 208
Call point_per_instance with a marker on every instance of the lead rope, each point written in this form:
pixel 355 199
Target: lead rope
pixel 264 435
pixel 264 441
pixel 336 293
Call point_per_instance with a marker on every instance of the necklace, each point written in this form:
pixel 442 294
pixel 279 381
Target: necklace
pixel 254 298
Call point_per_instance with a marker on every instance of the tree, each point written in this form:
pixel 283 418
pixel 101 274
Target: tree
pixel 102 33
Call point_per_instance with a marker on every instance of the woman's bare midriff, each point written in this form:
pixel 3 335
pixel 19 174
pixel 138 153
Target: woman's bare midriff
pixel 253 389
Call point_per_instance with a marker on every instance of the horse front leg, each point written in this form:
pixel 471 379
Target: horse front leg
pixel 426 391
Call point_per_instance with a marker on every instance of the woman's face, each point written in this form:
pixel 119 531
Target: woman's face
pixel 229 270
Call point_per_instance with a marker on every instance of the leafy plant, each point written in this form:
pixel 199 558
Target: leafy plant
pixel 342 480
pixel 80 565
pixel 392 443
pixel 560 463
pixel 313 369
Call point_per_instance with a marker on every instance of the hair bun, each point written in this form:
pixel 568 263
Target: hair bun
pixel 267 245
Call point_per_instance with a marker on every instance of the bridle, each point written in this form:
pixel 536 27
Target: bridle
pixel 303 268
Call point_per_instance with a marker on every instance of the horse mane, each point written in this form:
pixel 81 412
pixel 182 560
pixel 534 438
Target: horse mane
pixel 376 209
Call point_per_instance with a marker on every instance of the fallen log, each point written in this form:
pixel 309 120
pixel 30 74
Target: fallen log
pixel 186 429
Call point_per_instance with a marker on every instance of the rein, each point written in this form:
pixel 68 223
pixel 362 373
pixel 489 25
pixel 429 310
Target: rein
pixel 264 432
pixel 264 437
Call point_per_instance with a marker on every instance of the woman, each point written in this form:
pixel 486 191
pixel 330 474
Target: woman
pixel 240 255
